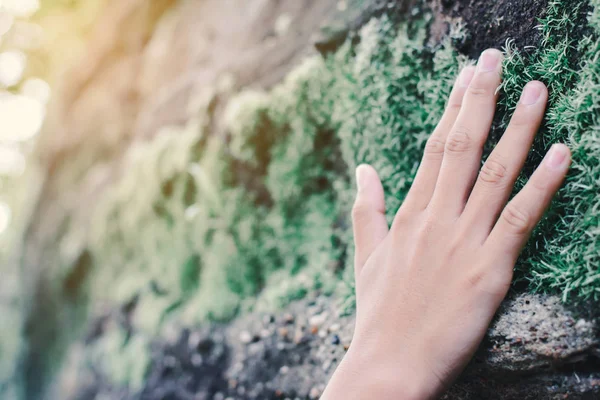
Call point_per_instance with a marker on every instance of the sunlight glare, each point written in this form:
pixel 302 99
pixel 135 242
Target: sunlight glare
pixel 37 89
pixel 6 22
pixel 12 161
pixel 20 8
pixel 12 67
pixel 5 216
pixel 22 117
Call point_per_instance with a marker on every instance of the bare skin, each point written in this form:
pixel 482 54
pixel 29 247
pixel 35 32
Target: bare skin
pixel 428 286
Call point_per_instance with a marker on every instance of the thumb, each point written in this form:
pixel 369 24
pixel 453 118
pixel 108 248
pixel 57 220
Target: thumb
pixel 368 215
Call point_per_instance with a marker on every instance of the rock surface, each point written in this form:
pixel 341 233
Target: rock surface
pixel 145 70
pixel 536 349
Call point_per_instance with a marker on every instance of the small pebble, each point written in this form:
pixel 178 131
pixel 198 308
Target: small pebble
pixel 169 361
pixel 197 360
pixel 265 333
pixel 283 332
pixel 288 318
pixel 318 320
pixel 194 340
pixel 299 337
pixel 245 337
pixel 580 324
pixel 335 340
pixel 314 393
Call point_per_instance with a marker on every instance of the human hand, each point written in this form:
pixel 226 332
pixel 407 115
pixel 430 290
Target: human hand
pixel 428 287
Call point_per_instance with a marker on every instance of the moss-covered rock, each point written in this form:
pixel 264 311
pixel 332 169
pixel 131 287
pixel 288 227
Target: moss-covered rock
pixel 245 206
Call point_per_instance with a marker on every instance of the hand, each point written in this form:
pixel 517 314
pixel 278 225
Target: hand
pixel 428 287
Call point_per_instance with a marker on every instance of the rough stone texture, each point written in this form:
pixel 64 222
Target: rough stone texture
pixel 145 70
pixel 492 24
pixel 536 349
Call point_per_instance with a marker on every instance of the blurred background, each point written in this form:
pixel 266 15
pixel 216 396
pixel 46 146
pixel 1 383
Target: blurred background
pixel 114 160
pixel 37 39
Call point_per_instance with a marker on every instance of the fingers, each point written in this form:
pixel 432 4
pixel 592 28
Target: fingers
pixel 497 177
pixel 464 145
pixel 422 189
pixel 368 215
pixel 524 212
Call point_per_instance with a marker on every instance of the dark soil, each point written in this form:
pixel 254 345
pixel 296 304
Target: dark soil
pixel 492 23
pixel 489 24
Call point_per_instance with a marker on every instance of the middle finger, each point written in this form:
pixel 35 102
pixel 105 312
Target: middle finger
pixel 464 146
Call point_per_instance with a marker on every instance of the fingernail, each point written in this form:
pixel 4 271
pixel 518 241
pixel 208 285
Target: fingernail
pixel 531 94
pixel 466 76
pixel 489 60
pixel 361 177
pixel 557 156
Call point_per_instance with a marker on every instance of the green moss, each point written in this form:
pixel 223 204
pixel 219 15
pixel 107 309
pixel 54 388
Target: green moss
pixel 204 227
pixel 564 252
pixel 391 100
pixel 570 259
pixel 125 359
pixel 10 344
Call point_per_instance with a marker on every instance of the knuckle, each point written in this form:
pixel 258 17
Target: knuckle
pixel 493 172
pixel 516 218
pixel 426 230
pixel 492 281
pixel 483 85
pixel 475 277
pixel 539 185
pixel 478 90
pixel 434 147
pixel 459 140
pixel 454 104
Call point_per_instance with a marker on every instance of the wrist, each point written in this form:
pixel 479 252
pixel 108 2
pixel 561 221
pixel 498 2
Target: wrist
pixel 363 376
